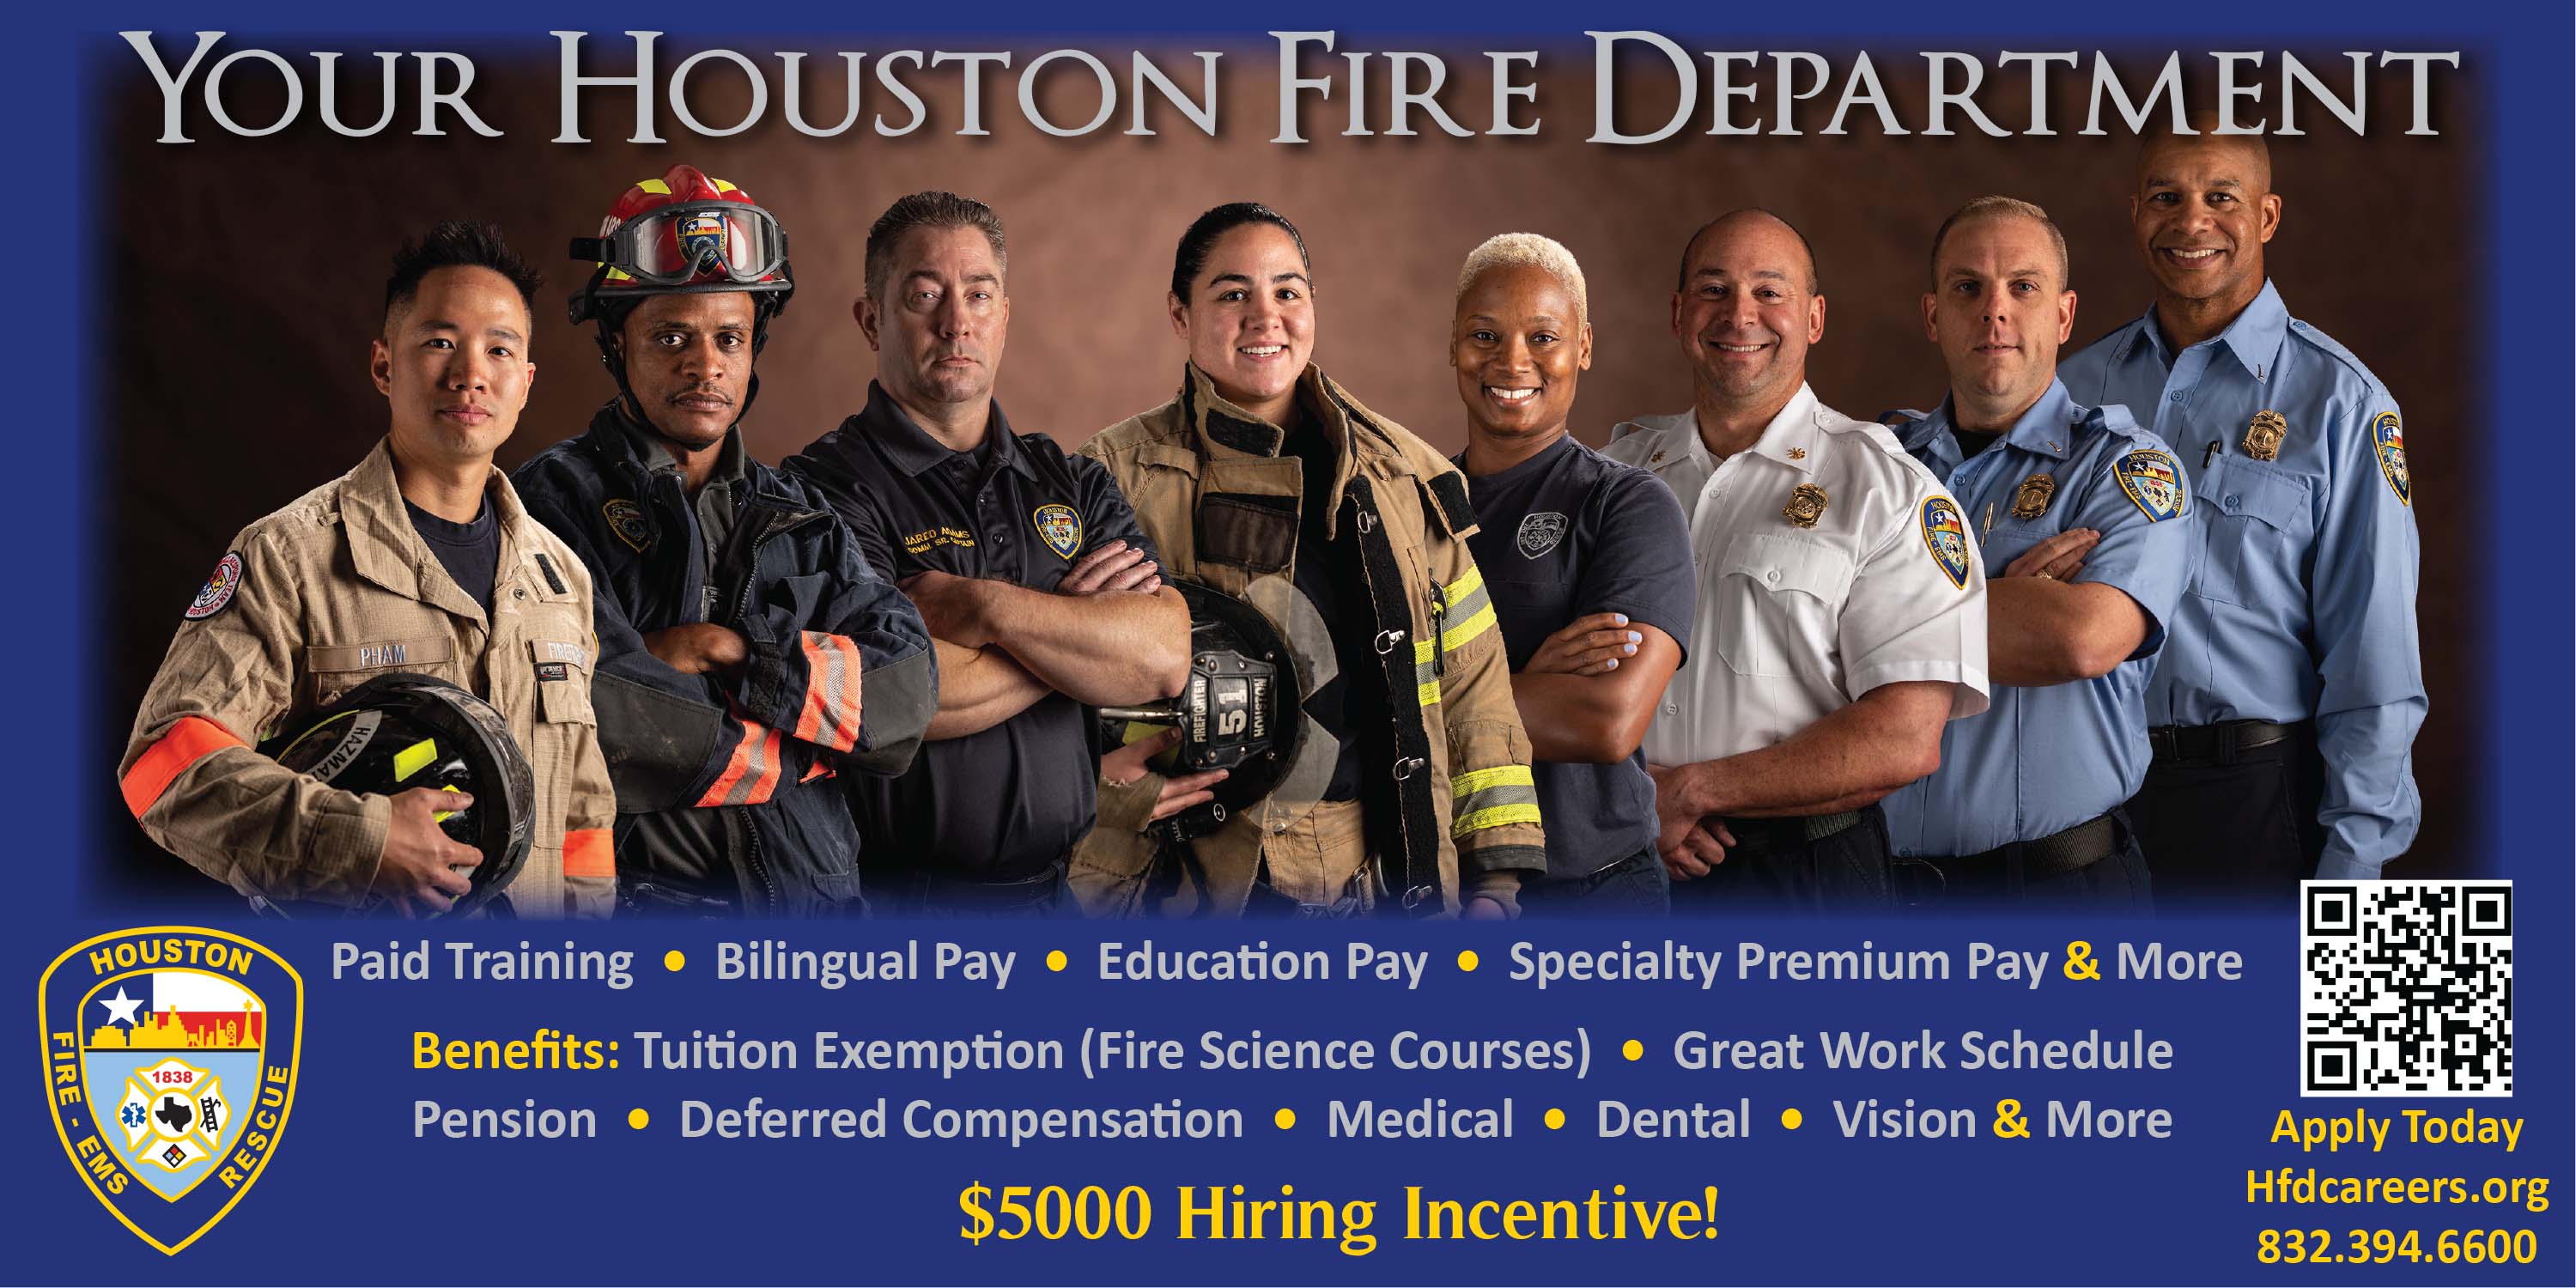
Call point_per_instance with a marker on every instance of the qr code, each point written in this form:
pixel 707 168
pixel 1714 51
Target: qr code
pixel 2406 988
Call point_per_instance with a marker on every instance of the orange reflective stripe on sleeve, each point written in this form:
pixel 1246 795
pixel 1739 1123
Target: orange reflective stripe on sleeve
pixel 587 853
pixel 188 741
pixel 751 776
pixel 831 715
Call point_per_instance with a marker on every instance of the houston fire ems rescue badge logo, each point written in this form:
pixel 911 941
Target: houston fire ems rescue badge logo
pixel 2390 446
pixel 1060 528
pixel 170 1056
pixel 219 588
pixel 702 234
pixel 1945 534
pixel 626 519
pixel 2153 482
pixel 1540 532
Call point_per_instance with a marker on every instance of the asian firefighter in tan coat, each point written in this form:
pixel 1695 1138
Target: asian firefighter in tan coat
pixel 341 585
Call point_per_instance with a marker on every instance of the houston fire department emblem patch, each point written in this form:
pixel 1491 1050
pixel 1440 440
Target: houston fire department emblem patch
pixel 2154 482
pixel 1540 532
pixel 2389 444
pixel 170 1057
pixel 218 592
pixel 1945 534
pixel 1060 528
pixel 702 235
pixel 626 519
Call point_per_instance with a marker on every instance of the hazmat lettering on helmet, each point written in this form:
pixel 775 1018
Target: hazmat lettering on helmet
pixel 218 591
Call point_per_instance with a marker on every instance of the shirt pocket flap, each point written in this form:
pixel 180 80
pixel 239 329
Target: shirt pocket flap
pixel 563 680
pixel 1776 562
pixel 571 653
pixel 2251 494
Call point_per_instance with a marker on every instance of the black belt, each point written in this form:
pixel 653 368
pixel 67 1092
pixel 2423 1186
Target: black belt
pixel 2073 850
pixel 1786 833
pixel 959 894
pixel 2218 742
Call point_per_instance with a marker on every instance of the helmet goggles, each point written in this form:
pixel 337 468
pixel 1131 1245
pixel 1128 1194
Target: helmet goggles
pixel 696 243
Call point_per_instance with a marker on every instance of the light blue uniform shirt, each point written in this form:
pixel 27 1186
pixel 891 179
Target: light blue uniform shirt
pixel 2042 760
pixel 2300 603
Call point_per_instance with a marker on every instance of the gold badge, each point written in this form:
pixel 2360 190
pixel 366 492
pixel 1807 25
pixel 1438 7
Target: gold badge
pixel 1806 505
pixel 1797 453
pixel 2263 436
pixel 2031 498
pixel 1656 459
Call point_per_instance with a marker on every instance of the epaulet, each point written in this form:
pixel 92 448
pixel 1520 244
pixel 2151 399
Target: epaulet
pixel 1457 512
pixel 2334 349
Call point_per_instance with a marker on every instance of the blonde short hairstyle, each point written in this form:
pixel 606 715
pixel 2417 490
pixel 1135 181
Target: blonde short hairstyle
pixel 1508 250
pixel 2005 208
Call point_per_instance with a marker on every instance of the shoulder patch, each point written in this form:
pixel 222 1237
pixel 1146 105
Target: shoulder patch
pixel 1945 534
pixel 1449 487
pixel 2388 443
pixel 217 594
pixel 2154 484
pixel 1060 526
pixel 626 519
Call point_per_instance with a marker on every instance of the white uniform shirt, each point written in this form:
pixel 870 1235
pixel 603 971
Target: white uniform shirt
pixel 1796 622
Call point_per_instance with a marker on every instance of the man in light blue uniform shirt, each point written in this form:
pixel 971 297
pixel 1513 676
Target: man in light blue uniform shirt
pixel 2080 519
pixel 2285 703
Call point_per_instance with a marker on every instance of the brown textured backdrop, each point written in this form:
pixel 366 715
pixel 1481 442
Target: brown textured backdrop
pixel 248 272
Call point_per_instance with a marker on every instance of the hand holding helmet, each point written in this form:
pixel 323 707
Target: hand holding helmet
pixel 422 864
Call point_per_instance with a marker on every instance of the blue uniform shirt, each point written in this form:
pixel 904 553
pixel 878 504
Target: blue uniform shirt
pixel 2042 760
pixel 2300 603
pixel 1565 534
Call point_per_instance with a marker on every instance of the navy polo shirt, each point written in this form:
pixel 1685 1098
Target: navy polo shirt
pixel 1008 802
pixel 1565 534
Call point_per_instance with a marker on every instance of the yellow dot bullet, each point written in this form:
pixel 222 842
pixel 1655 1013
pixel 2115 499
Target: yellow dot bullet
pixel 1555 1119
pixel 1286 1118
pixel 1633 1049
pixel 674 959
pixel 1055 959
pixel 1790 1118
pixel 1466 959
pixel 637 1119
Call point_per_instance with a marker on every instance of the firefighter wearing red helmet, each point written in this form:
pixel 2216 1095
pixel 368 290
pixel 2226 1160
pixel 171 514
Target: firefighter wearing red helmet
pixel 738 623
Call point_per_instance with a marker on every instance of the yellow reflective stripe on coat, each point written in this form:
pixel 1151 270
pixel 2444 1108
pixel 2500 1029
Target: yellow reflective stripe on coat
pixel 1470 605
pixel 1426 673
pixel 1495 797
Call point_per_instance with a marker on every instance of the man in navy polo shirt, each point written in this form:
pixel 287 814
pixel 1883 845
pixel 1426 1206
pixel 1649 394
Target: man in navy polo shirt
pixel 1588 563
pixel 1042 595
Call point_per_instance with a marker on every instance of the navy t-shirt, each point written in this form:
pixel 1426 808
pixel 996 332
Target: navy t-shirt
pixel 470 551
pixel 1565 534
